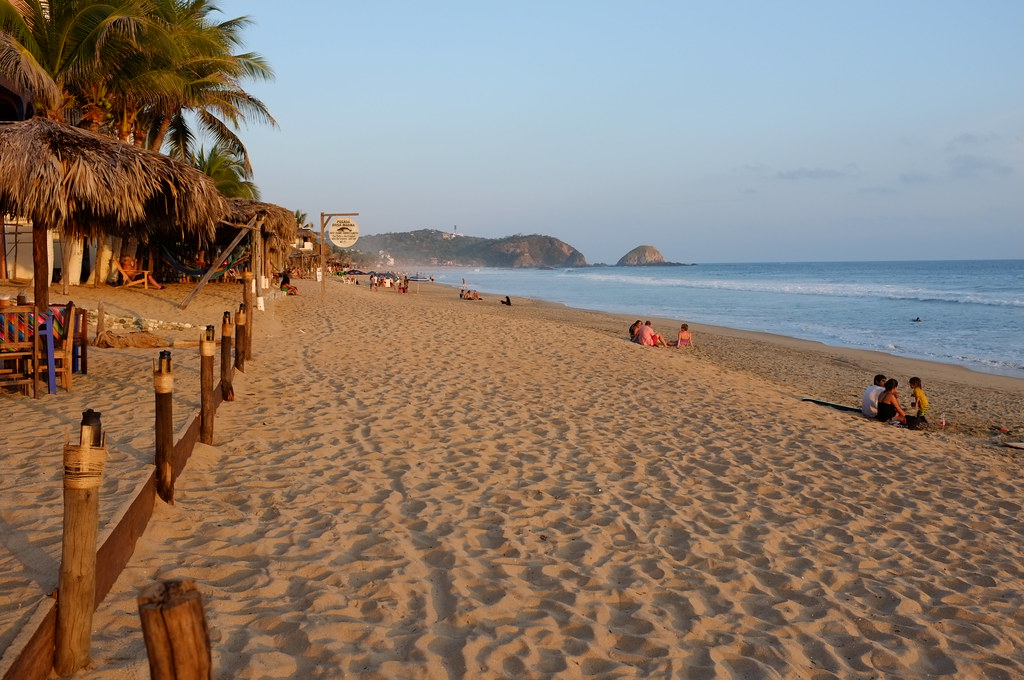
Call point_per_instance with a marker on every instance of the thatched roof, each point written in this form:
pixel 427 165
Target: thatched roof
pixel 278 223
pixel 75 181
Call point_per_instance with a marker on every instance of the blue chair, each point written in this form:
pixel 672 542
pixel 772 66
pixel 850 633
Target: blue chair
pixel 56 332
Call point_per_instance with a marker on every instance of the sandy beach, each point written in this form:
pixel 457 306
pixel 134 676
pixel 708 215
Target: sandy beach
pixel 416 486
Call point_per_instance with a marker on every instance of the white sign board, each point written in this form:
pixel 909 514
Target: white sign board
pixel 343 232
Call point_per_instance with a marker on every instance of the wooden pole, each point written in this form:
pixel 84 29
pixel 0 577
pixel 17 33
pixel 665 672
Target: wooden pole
pixel 163 386
pixel 3 248
pixel 40 268
pixel 227 332
pixel 101 321
pixel 323 254
pixel 175 631
pixel 260 268
pixel 76 600
pixel 216 262
pixel 240 323
pixel 250 319
pixel 207 347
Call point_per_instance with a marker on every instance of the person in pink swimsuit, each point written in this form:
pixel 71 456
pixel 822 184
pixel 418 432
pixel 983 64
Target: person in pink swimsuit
pixel 685 338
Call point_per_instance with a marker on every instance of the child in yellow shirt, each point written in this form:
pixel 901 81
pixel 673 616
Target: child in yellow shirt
pixel 919 399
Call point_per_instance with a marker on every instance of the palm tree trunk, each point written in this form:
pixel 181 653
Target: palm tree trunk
pixel 105 251
pixel 76 246
pixel 65 263
pixel 161 134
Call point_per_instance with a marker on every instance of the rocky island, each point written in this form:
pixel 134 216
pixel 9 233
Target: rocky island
pixel 645 256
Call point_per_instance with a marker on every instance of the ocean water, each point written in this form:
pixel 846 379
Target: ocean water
pixel 972 312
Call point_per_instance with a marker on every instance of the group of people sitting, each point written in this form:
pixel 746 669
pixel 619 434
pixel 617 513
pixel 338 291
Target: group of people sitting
pixel 469 295
pixel 642 333
pixel 881 401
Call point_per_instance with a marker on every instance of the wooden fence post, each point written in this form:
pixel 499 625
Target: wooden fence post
pixel 250 319
pixel 163 386
pixel 207 346
pixel 174 628
pixel 76 594
pixel 227 332
pixel 240 323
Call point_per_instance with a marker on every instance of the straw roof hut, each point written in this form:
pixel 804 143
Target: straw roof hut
pixel 278 222
pixel 80 183
pixel 278 225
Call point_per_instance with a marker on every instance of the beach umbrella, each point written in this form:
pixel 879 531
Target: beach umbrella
pixel 80 183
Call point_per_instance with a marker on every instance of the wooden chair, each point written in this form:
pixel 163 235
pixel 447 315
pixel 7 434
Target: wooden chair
pixel 57 335
pixel 135 278
pixel 80 342
pixel 20 348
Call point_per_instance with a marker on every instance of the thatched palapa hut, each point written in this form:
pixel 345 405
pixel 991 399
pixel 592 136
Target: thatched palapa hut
pixel 277 228
pixel 83 184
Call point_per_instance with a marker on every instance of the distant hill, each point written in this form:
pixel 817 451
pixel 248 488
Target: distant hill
pixel 435 247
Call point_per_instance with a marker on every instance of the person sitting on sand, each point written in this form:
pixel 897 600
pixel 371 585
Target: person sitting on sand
pixel 130 268
pixel 286 284
pixel 685 339
pixel 648 338
pixel 633 330
pixel 919 400
pixel 869 402
pixel 889 409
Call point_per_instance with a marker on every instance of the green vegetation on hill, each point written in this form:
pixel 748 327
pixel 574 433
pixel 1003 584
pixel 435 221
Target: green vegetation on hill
pixel 434 247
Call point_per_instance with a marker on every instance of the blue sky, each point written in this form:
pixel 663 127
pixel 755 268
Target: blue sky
pixel 721 131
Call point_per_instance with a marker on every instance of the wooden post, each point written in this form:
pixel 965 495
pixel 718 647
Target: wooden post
pixel 240 323
pixel 323 254
pixel 260 268
pixel 227 332
pixel 163 386
pixel 207 346
pixel 101 321
pixel 216 262
pixel 40 267
pixel 76 600
pixel 174 628
pixel 247 298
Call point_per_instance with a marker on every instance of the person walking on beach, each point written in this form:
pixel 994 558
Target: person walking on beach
pixel 869 402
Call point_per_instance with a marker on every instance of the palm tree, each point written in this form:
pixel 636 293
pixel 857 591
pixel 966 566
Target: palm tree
pixel 133 68
pixel 208 76
pixel 56 51
pixel 302 219
pixel 228 171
